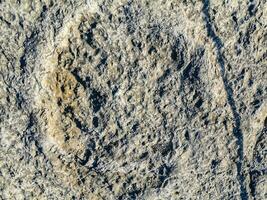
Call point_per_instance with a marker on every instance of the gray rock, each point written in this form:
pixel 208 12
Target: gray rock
pixel 116 99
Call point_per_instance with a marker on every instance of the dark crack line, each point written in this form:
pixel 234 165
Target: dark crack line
pixel 237 132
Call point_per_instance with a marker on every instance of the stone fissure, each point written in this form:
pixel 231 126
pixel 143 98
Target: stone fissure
pixel 237 132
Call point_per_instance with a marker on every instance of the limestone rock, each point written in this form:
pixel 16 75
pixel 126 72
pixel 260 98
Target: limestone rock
pixel 116 99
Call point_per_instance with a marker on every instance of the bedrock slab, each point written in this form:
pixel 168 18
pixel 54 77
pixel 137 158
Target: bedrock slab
pixel 116 99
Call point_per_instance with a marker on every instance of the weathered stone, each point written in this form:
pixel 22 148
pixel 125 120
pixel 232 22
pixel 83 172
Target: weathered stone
pixel 116 99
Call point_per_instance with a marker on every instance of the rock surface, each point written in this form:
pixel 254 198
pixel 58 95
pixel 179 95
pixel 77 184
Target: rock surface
pixel 116 99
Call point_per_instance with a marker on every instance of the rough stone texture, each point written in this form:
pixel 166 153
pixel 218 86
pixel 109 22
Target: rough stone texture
pixel 116 99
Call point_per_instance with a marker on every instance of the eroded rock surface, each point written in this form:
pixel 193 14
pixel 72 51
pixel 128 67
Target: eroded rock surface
pixel 116 99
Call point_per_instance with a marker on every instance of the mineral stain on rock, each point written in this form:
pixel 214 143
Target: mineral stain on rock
pixel 61 107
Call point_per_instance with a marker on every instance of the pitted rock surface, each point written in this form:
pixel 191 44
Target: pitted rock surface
pixel 122 99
